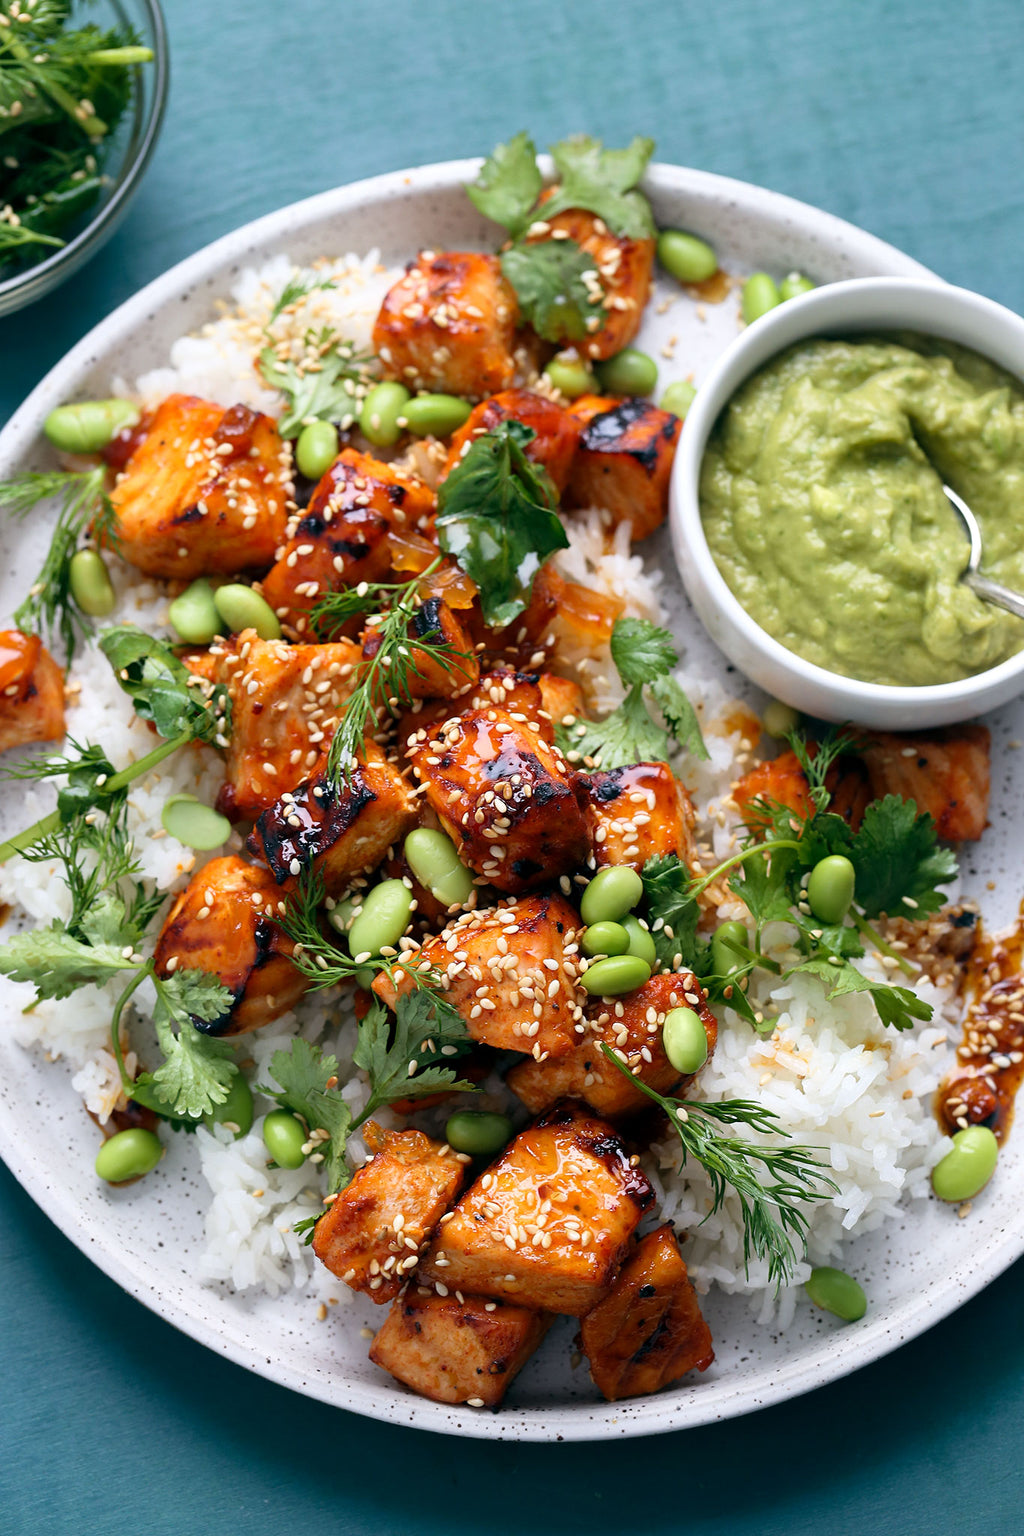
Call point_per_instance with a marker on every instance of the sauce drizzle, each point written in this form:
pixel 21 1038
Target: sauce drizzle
pixel 981 1088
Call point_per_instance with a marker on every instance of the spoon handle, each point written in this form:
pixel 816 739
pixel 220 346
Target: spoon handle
pixel 995 592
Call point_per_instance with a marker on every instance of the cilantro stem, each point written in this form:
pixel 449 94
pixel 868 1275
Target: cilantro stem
pixel 864 927
pixel 741 858
pixel 115 1023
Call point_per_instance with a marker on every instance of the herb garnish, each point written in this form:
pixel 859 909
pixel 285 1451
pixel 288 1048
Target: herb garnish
pixel 329 379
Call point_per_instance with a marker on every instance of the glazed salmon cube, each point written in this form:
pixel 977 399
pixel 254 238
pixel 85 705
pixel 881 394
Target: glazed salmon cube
pixel 537 699
pixel 511 973
pixel 560 612
pixel 344 828
pixel 623 267
pixel 285 704
pixel 637 813
pixel 550 1222
pixel 432 676
pixel 557 430
pixel 648 1331
pixel 560 697
pixel 502 794
pixel 457 1349
pixel 31 691
pixel 204 493
pixel 782 780
pixel 342 538
pixel 371 1235
pixel 624 461
pixel 449 325
pixel 634 1033
pixel 224 922
pixel 946 773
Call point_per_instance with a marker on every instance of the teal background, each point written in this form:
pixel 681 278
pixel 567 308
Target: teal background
pixel 905 117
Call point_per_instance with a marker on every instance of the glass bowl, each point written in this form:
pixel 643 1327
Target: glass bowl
pixel 125 163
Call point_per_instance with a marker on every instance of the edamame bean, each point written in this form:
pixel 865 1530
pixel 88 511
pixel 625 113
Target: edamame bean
pixel 837 1292
pixel 571 376
pixel 378 419
pixel 830 888
pixel 687 257
pixel 433 860
pixel 605 939
pixel 193 614
pixel 617 974
pixel 435 415
pixel 236 1112
pixel 341 914
pixel 242 608
pixel 90 425
pixel 685 1040
pixel 640 941
pixel 90 583
pixel 612 893
pixel 759 296
pixel 316 449
pixel 678 398
pixel 964 1171
pixel 284 1137
pixel 793 285
pixel 724 959
pixel 477 1131
pixel 629 372
pixel 195 824
pixel 779 719
pixel 387 909
pixel 128 1155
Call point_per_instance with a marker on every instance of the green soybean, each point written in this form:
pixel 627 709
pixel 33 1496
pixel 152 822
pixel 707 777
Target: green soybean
pixel 779 719
pixel 612 893
pixel 90 425
pixel 835 1291
pixel 341 914
pixel 760 294
pixel 571 376
pixel 629 372
pixel 194 824
pixel 284 1138
pixel 793 285
pixel 435 415
pixel 477 1131
pixel 237 1110
pixel 242 608
pixel 378 419
pixel 679 397
pixel 90 583
pixel 605 939
pixel 316 449
pixel 830 888
pixel 685 1040
pixel 193 614
pixel 433 860
pixel 965 1170
pixel 640 941
pixel 686 257
pixel 617 974
pixel 724 959
pixel 387 909
pixel 128 1155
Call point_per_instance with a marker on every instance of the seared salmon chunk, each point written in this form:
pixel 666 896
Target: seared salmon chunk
pixel 448 325
pixel 457 1349
pixel 31 691
pixel 622 268
pixel 637 813
pixel 946 773
pixel 557 430
pixel 624 461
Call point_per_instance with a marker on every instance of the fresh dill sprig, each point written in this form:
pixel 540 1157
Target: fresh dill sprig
pixel 330 378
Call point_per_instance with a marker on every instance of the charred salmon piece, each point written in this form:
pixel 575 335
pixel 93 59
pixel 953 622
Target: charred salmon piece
pixel 557 431
pixel 342 538
pixel 560 612
pixel 624 461
pixel 435 628
pixel 634 1034
pixel 285 704
pixel 223 922
pixel 782 780
pixel 946 773
pixel 457 1349
pixel 537 699
pixel 512 974
pixel 448 325
pixel 550 1222
pixel 372 1234
pixel 648 1331
pixel 637 813
pixel 205 492
pixel 502 794
pixel 31 691
pixel 624 269
pixel 341 828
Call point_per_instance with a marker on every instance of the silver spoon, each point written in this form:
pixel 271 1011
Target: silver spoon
pixel 989 591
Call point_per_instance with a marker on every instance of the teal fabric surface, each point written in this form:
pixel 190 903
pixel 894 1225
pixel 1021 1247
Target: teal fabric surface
pixel 904 117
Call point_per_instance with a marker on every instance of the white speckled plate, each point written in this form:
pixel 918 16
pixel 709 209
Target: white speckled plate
pixel 146 1237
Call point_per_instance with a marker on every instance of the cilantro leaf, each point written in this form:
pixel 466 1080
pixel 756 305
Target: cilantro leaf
pixel 628 735
pixel 57 963
pixel 332 391
pixel 642 651
pixel 680 716
pixel 496 517
pixel 509 184
pixel 162 688
pixel 550 284
pixel 898 861
pixel 400 1053
pixel 309 1087
pixel 602 181
pixel 673 914
pixel 896 1006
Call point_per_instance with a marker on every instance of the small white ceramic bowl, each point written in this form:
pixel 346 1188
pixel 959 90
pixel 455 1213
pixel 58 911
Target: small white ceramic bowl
pixel 875 304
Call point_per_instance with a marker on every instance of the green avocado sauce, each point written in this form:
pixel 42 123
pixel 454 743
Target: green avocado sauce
pixel 821 497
